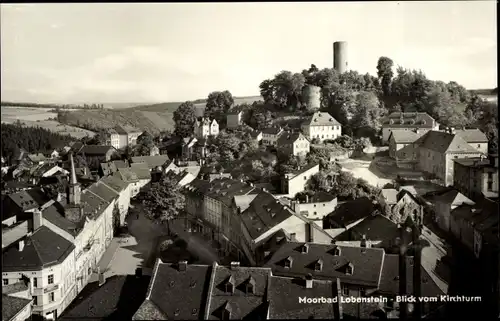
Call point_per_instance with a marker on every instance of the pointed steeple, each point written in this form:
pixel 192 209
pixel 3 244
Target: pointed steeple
pixel 74 194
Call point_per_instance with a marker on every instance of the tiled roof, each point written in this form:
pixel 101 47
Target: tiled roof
pixel 288 138
pixel 15 287
pixel 151 161
pixel 452 197
pixel 272 130
pixel 405 136
pixel 180 294
pixel 476 162
pixel 302 170
pixel 149 311
pixel 443 142
pixel 322 119
pixel 103 191
pixel 119 164
pixel 117 299
pixel 240 303
pixel 12 305
pixel 225 189
pixel 96 150
pixel 366 262
pixel 37 157
pixel 127 175
pixel 107 169
pixel 263 213
pixel 93 205
pixel 410 120
pixel 351 211
pixel 321 197
pixel 115 183
pixel 193 170
pixel 284 294
pixel 392 195
pixel 243 201
pixel 55 215
pixel 141 170
pixel 472 135
pixel 42 249
pixel 389 282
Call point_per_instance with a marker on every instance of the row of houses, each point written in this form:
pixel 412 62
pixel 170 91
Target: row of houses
pixel 54 246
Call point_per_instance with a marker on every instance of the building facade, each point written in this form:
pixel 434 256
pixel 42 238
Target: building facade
pixel 234 119
pixel 294 144
pixel 477 177
pixel 321 126
pixel 205 127
pixel 407 121
pixel 293 183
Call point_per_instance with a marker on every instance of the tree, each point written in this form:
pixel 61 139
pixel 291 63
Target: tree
pixel 227 141
pixel 385 73
pixel 184 118
pixel 267 91
pixel 145 139
pixel 163 201
pixel 321 156
pixel 218 103
pixel 116 219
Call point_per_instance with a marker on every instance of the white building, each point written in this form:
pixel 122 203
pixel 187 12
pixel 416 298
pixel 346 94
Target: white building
pixel 321 126
pixel 205 127
pixel 270 135
pixel 123 136
pixel 234 118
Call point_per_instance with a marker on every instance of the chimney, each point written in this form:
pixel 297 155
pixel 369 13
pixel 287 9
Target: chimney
pixel 309 281
pixel 37 219
pixel 363 241
pixel 182 266
pixel 235 265
pixel 307 198
pixel 85 171
pixel 20 245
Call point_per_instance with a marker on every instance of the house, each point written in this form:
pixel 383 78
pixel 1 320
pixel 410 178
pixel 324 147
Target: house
pixel 122 189
pixel 123 136
pixel 54 154
pixel 101 152
pixel 317 206
pixel 477 177
pixel 293 144
pixel 474 137
pixel 25 201
pixel 154 151
pixel 257 135
pixel 182 178
pixel 188 144
pixel 46 170
pixel 348 214
pixel 403 205
pixel 444 203
pixel 437 150
pixel 17 301
pixel 400 138
pixel 204 127
pixel 295 182
pixel 152 162
pixel 321 126
pixel 407 121
pixel 270 135
pixel 234 118
pixel 137 177
pixel 37 158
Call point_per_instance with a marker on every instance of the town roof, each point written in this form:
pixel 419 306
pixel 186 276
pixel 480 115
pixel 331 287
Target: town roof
pixel 37 157
pixel 17 287
pixel 103 191
pixel 12 305
pixel 389 281
pixel 349 212
pixel 151 161
pixel 472 135
pixel 410 120
pixel 452 197
pixel 284 293
pixel 405 136
pixel 272 130
pixel 302 170
pixel 224 189
pixel 179 294
pixel 264 213
pixel 115 183
pixel 127 175
pixel 288 138
pixel 107 169
pixel 321 119
pixel 443 142
pixel 366 262
pixel 41 250
pixel 241 304
pixel 192 169
pixel 477 162
pixel 28 199
pixel 392 195
pixel 141 170
pixel 243 201
pixel 97 149
pixel 321 197
pixel 124 130
pixel 55 215
pixel 93 206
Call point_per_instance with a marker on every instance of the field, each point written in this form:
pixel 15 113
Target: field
pixel 39 117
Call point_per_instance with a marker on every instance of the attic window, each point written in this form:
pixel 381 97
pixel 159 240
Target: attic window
pixel 331 119
pixel 336 251
pixel 288 262
pixel 192 284
pixel 318 265
pixel 229 286
pixel 171 284
pixel 304 248
pixel 177 311
pixel 194 311
pixel 425 280
pixel 349 269
pixel 396 278
pixel 250 286
pixel 273 214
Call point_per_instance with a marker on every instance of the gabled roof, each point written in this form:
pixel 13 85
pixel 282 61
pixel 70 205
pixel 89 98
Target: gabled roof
pixel 141 170
pixel 389 282
pixel 115 183
pixel 124 130
pixel 97 150
pixel 42 249
pixel 179 294
pixel 12 305
pixel 405 136
pixel 151 161
pixel 472 135
pixel 321 197
pixel 392 195
pixel 264 213
pixel 443 142
pixel 410 120
pixel 349 212
pixel 37 157
pixel 288 138
pixel 283 294
pixel 241 304
pixel 243 201
pixel 103 191
pixel 476 162
pixel 23 200
pixel 272 130
pixel 55 215
pixel 321 119
pixel 366 262
pixel 301 170
pixel 452 197
pixel 224 189
pixel 126 175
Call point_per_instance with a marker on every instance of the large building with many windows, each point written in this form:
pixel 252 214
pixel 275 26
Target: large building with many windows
pixel 321 126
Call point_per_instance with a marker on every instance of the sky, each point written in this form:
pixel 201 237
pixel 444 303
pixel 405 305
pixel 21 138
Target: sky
pixel 77 53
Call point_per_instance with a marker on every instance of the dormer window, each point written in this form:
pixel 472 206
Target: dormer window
pixel 318 266
pixel 336 251
pixel 250 285
pixel 304 248
pixel 349 270
pixel 288 262
pixel 229 285
pixel 226 312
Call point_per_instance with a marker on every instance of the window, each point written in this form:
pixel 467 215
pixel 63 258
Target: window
pixel 490 176
pixel 362 292
pixel 305 177
pixel 35 300
pixel 51 297
pixel 478 145
pixel 5 281
pixel 346 291
pixel 51 279
pixel 490 186
pixel 35 282
pixel 89 271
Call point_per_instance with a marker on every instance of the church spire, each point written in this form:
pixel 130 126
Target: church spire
pixel 73 172
pixel 74 194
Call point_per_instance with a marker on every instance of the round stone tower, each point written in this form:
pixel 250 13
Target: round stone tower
pixel 312 96
pixel 340 63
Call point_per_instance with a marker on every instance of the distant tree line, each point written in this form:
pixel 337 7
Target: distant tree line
pixel 54 106
pixel 32 139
